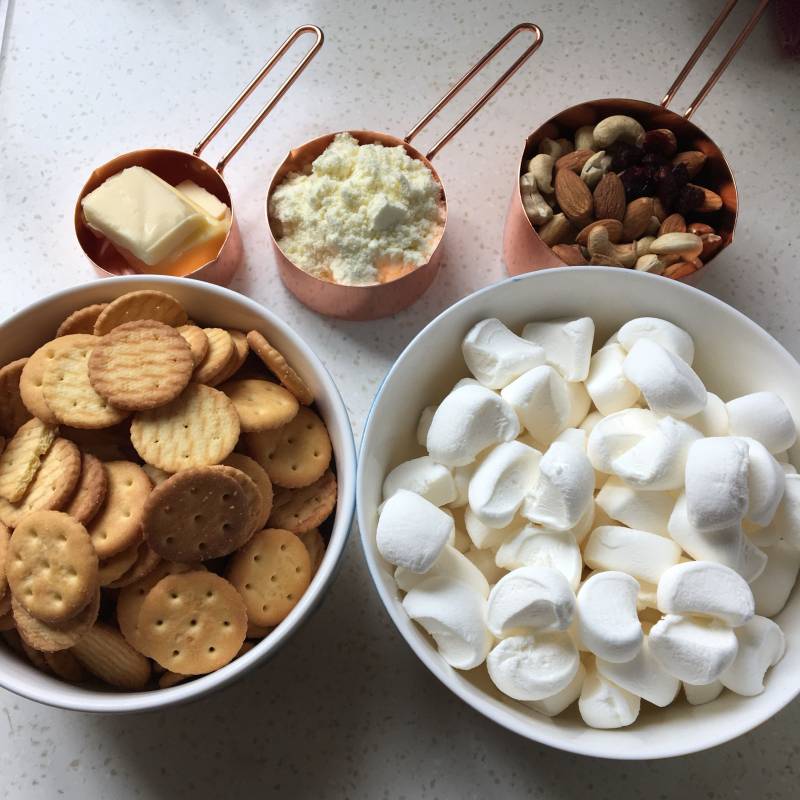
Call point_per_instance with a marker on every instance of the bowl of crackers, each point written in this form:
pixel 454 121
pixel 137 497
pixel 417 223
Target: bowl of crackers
pixel 177 483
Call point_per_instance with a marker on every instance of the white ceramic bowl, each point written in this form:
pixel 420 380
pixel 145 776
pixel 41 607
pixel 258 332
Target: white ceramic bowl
pixel 214 306
pixel 734 356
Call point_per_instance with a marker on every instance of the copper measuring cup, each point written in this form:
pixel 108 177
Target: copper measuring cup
pixel 524 251
pixel 175 166
pixel 384 299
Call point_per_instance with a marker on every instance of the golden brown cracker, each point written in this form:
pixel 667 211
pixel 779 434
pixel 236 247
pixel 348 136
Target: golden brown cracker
pixel 48 638
pixel 7 622
pixel 258 631
pixel 143 304
pixel 261 405
pixel 13 412
pixel 251 493
pixel 90 493
pixel 315 545
pixel 218 355
pixel 146 562
pixel 65 666
pixel 34 656
pixel 114 567
pixel 168 679
pixel 5 535
pixel 277 364
pixel 107 444
pixel 238 357
pixel 197 341
pixel 22 456
pixel 105 653
pixel 155 474
pixel 81 321
pixel 300 510
pixel 259 476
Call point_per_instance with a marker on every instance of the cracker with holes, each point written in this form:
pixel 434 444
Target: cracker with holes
pixel 82 320
pixel 315 545
pixel 271 572
pixel 294 455
pixel 197 341
pixel 220 350
pixel 200 428
pixel 146 562
pixel 90 492
pixel 117 526
pixel 192 623
pixel 300 510
pixel 107 444
pixel 114 567
pixel 237 359
pixel 144 304
pixel 260 478
pixel 22 456
pixel 47 638
pixel 279 367
pixel 12 410
pixel 252 495
pixel 140 365
pixel 261 405
pixel 52 566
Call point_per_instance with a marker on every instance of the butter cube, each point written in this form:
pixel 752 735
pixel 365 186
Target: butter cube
pixel 213 206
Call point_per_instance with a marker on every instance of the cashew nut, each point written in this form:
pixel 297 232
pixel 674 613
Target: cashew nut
pixel 558 230
pixel 643 245
pixel 687 245
pixel 541 167
pixel 650 263
pixel 594 169
pixel 551 147
pixel 600 246
pixel 616 128
pixel 584 138
pixel 536 208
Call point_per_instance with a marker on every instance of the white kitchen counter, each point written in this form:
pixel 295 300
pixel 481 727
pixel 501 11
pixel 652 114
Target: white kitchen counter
pixel 346 710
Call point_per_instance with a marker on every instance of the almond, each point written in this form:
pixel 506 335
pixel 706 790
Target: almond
pixel 556 230
pixel 570 254
pixel 575 160
pixel 711 243
pixel 674 223
pixel 711 200
pixel 573 197
pixel 679 270
pixel 693 159
pixel 658 210
pixel 699 228
pixel 637 218
pixel 613 226
pixel 609 197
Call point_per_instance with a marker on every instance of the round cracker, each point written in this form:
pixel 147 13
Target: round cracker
pixel 200 428
pixel 146 561
pixel 5 603
pixel 52 566
pixel 53 638
pixel 251 493
pixel 155 474
pixel 22 456
pixel 197 341
pixel 261 405
pixel 105 653
pixel 13 412
pixel 144 304
pixel 259 476
pixel 300 510
pixel 315 545
pixel 90 491
pixel 81 321
pixel 275 362
pixel 140 365
pixel 114 567
pixel 192 623
pixel 220 350
pixel 271 572
pixel 7 621
pixel 295 455
pixel 66 666
pixel 258 631
pixel 107 444
pixel 238 357
pixel 5 535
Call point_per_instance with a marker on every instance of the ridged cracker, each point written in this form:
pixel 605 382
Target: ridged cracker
pixel 12 410
pixel 140 365
pixel 65 666
pixel 107 444
pixel 118 524
pixel 90 493
pixel 52 566
pixel 220 350
pixel 22 456
pixel 300 510
pixel 106 654
pixel 114 567
pixel 197 341
pixel 192 623
pixel 52 638
pixel 271 572
pixel 259 476
pixel 200 428
pixel 261 405
pixel 238 357
pixel 144 304
pixel 315 545
pixel 81 321
pixel 155 474
pixel 277 364
pixel 295 455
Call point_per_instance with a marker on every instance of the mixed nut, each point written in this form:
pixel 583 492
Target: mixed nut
pixel 619 195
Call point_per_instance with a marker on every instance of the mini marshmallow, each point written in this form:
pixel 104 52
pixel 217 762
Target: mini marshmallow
pixel 766 482
pixel 560 701
pixel 717 493
pixel 647 597
pixel 424 477
pixel 606 383
pixel 484 561
pixel 761 536
pixel 668 335
pixel 482 536
pixel 502 481
pixel 567 344
pixel 605 705
pixel 530 599
pixel 585 524
pixel 412 532
pixel 694 650
pixel 642 676
pixel 470 419
pixel 713 419
pixel 700 695
pixel 753 562
pixel 461 478
pixel 613 435
pixel 573 436
pixel 638 553
pixel 706 589
pixel 608 624
pixel 645 510
pixel 786 521
pixel 424 425
pixel 761 646
pixel 450 564
pixel 541 399
pixel 773 586
pixel 495 355
pixel 533 666
pixel 788 469
pixel 579 404
pixel 762 416
pixel 658 461
pixel 534 546
pixel 564 489
pixel 668 384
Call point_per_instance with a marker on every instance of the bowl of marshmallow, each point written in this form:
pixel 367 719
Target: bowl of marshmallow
pixel 578 501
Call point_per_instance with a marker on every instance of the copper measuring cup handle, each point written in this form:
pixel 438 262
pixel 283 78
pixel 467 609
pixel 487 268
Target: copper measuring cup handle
pixel 484 98
pixel 710 34
pixel 272 102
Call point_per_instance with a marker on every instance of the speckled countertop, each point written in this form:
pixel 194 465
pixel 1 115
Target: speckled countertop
pixel 346 710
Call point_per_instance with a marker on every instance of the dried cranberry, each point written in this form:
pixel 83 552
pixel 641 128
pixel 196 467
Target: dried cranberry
pixel 624 155
pixel 689 198
pixel 681 174
pixel 637 182
pixel 653 160
pixel 666 187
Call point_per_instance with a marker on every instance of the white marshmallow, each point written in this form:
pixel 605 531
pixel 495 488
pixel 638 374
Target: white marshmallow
pixel 613 435
pixel 642 676
pixel 645 510
pixel 534 666
pixel 716 482
pixel 589 422
pixel 585 524
pixel 560 701
pixel 786 521
pixel 541 399
pixel 762 416
pixel 470 419
pixel 412 532
pixel 579 404
pixel 706 589
pixel 606 383
pixel 668 335
pixel 484 561
pixel 761 646
pixel 424 477
pixel 638 553
pixel 495 355
pixel 465 382
pixel 772 588
pixel 530 599
pixel 573 436
pixel 694 650
pixel 461 478
pixel 605 705
pixel 766 482
pixel 482 536
pixel 658 461
pixel 761 536
pixel 713 419
pixel 502 481
pixel 534 546
pixel 789 469
pixel 647 597
pixel 567 344
pixel 608 624
pixel 700 695
pixel 667 382
pixel 564 489
pixel 424 425
pixel 754 561
pixel 450 564
pixel 454 614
